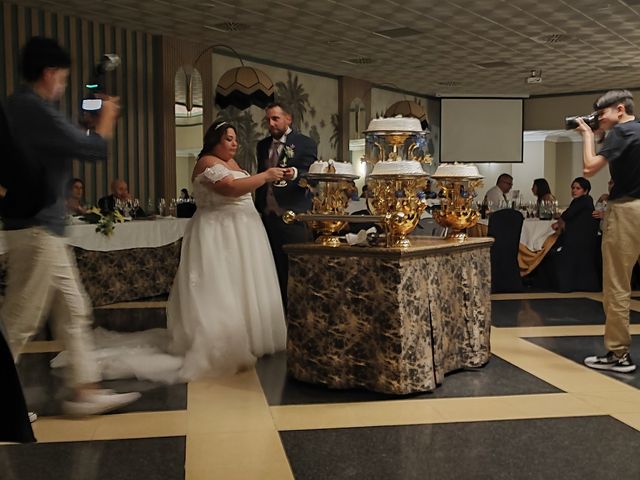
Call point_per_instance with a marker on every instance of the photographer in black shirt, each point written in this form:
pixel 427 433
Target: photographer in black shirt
pixel 621 236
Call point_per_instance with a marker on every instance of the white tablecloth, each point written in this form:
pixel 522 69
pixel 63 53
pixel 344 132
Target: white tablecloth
pixel 535 232
pixel 135 234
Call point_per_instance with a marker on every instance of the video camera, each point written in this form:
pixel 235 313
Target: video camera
pixel 109 62
pixel 591 119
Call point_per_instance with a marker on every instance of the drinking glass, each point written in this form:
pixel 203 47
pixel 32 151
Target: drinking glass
pixel 162 206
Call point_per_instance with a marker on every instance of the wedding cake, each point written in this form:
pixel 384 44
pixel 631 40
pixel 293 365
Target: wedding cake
pixel 398 167
pixel 331 166
pixel 395 124
pixel 447 170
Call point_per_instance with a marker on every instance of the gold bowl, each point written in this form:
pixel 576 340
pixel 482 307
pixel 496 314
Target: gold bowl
pixel 457 211
pixel 331 195
pixel 402 198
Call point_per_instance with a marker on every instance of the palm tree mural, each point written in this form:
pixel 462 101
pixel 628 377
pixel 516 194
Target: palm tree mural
pixel 314 134
pixel 248 136
pixel 292 94
pixel 335 135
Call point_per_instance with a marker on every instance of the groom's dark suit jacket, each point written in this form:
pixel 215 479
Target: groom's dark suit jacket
pixel 292 197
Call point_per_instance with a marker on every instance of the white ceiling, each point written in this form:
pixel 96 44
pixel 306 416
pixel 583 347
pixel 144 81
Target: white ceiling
pixel 456 47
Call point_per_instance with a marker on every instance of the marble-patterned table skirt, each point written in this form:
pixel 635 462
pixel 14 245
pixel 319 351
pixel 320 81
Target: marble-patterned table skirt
pixel 122 275
pixel 392 325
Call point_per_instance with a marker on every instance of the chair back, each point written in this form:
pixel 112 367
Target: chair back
pixel 576 258
pixel 505 227
pixel 185 210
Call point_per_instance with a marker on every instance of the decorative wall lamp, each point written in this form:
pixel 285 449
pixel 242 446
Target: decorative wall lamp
pixel 240 87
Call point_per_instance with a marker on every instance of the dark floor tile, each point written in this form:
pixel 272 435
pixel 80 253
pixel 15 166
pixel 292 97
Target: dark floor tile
pixel 577 348
pixel 549 312
pixel 148 459
pixel 44 389
pixel 566 448
pixel 130 319
pixel 496 378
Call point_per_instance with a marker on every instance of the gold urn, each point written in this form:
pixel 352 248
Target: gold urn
pixel 457 212
pixel 397 148
pixel 331 193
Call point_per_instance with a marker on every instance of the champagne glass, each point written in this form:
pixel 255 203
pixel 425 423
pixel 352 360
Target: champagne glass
pixel 282 164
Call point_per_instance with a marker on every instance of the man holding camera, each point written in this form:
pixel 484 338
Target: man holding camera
pixel 42 273
pixel 621 236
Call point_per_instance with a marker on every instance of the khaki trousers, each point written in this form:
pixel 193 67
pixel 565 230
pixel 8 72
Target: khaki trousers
pixel 620 252
pixel 42 275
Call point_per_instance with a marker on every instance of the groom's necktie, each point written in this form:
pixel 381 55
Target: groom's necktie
pixel 271 202
pixel 274 153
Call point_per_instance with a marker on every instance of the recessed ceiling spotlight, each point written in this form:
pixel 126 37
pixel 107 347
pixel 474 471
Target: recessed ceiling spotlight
pixel 552 38
pixel 228 27
pixel 359 61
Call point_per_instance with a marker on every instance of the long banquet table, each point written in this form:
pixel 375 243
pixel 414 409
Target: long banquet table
pixel 138 260
pixel 536 239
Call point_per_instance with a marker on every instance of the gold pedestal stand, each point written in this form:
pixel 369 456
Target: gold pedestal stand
pixel 331 194
pixel 457 211
pixel 402 199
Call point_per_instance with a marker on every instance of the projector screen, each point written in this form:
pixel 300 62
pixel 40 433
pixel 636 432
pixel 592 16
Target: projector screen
pixel 481 130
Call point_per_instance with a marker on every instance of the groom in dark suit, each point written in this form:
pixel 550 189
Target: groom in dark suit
pixel 298 152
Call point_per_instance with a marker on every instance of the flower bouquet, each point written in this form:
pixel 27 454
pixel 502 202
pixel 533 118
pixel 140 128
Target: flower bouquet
pixel 105 222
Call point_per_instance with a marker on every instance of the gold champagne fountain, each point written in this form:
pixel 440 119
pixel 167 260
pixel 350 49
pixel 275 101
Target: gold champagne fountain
pixel 332 186
pixel 458 183
pixel 397 149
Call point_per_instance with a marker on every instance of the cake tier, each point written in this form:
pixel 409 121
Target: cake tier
pixel 395 124
pixel 342 168
pixel 457 170
pixel 398 167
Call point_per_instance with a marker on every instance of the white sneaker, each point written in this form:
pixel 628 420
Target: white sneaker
pixel 33 416
pixel 100 401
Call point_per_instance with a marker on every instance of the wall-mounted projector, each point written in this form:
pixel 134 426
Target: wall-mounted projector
pixel 535 77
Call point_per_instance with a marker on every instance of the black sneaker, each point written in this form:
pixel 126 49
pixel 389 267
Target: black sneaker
pixel 611 362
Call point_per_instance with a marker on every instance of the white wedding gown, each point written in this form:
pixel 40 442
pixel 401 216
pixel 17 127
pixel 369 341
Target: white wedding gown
pixel 224 309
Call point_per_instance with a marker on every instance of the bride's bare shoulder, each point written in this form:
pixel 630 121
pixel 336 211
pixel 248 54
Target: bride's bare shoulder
pixel 204 162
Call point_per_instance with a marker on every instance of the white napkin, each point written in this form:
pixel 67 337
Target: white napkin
pixel 359 238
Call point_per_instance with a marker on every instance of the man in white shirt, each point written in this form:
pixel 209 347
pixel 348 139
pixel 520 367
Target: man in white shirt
pixel 498 193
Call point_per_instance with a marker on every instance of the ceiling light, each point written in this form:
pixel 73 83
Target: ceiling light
pixel 359 61
pixel 228 27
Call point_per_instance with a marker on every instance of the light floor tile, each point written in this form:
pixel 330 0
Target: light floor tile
pixel 60 429
pixel 247 455
pixel 141 425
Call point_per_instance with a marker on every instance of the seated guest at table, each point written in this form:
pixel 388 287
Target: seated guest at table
pixel 119 191
pixel 184 194
pixel 581 206
pixel 75 194
pixel 542 191
pixel 498 193
pixel 573 261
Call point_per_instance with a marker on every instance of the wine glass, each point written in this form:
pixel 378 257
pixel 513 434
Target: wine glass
pixel 161 207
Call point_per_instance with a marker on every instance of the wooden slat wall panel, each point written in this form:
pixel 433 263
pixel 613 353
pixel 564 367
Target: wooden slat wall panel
pixel 132 154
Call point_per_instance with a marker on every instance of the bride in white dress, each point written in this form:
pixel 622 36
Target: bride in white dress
pixel 225 308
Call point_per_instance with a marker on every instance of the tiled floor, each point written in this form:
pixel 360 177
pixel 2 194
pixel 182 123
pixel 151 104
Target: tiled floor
pixel 534 412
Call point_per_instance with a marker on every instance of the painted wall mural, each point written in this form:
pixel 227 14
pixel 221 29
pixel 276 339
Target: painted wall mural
pixel 313 98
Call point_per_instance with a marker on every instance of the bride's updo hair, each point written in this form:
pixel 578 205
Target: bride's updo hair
pixel 214 135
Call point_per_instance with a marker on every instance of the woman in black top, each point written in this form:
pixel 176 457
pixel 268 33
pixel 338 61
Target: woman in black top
pixel 581 207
